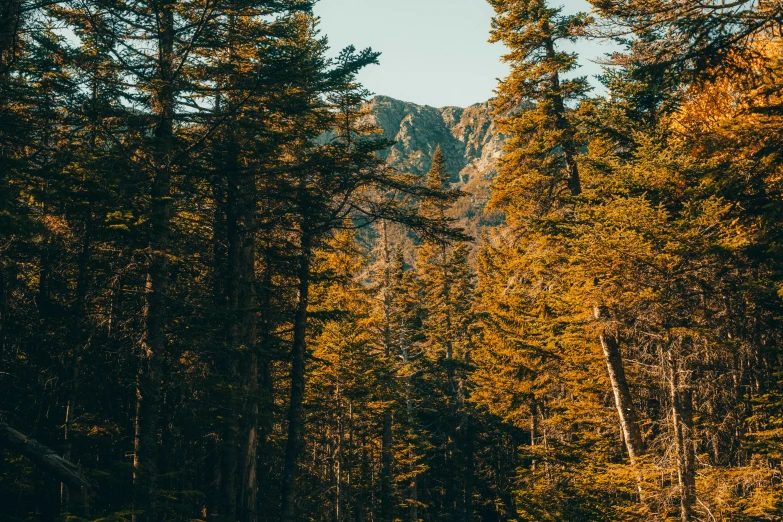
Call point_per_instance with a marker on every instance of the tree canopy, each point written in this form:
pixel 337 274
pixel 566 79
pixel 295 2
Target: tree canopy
pixel 219 303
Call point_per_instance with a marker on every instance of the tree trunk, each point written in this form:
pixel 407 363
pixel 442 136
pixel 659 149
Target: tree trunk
pixel 414 491
pixel 248 512
pixel 386 430
pixel 413 509
pixel 363 498
pixel 42 298
pixel 558 105
pixel 44 457
pixel 469 469
pixel 239 476
pixel 243 330
pixel 449 328
pixel 266 384
pixel 386 465
pixel 226 255
pixel 682 421
pixel 296 407
pixel 154 342
pixel 339 457
pixel 80 340
pixel 214 499
pixel 626 411
pixel 148 387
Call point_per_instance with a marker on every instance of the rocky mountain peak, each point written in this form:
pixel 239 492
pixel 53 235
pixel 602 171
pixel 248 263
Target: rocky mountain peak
pixel 468 138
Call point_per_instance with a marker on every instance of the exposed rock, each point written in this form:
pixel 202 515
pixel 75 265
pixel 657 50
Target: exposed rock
pixel 468 138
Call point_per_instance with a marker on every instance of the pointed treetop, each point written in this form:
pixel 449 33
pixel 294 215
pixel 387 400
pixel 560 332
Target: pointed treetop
pixel 438 176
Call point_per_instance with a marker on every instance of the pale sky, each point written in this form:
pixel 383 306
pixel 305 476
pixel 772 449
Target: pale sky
pixel 434 52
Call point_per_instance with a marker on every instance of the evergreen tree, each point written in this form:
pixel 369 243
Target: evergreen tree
pixel 219 302
pixel 543 138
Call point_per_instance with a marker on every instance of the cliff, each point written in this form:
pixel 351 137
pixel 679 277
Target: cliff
pixel 469 140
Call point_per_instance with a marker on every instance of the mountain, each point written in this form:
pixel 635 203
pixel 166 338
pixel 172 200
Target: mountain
pixel 468 138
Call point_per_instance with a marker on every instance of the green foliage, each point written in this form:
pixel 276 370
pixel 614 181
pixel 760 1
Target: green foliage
pixel 220 303
pixel 651 237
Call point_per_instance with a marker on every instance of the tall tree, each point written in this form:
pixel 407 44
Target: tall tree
pixel 542 158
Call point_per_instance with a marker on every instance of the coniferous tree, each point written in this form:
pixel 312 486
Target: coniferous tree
pixel 212 288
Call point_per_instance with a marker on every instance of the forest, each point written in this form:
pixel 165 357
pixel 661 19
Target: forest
pixel 219 303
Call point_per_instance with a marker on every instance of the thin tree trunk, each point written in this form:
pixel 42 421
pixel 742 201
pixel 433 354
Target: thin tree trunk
pixel 229 454
pixel 42 299
pixel 250 447
pixel 229 363
pixel 216 497
pixel 465 436
pixel 386 465
pixel 79 338
pixel 328 458
pixel 558 105
pixel 682 422
pixel 413 510
pixel 219 291
pixel 243 338
pixel 44 457
pixel 154 343
pixel 414 492
pixel 148 388
pixel 266 385
pixel 626 411
pixel 338 457
pixel 296 407
pixel 452 498
pixel 449 330
pixel 364 479
pixel 469 468
pixel 386 430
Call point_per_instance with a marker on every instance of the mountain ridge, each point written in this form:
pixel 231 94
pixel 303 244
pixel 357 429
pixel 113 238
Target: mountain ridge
pixel 468 137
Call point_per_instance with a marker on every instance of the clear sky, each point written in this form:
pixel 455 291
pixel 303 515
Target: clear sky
pixel 435 52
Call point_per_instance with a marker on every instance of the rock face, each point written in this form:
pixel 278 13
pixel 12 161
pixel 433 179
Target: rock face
pixel 468 138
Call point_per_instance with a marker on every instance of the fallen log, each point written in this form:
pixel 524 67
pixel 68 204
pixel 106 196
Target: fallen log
pixel 45 458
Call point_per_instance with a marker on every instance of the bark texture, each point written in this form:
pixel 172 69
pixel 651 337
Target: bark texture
pixel 626 411
pixel 682 422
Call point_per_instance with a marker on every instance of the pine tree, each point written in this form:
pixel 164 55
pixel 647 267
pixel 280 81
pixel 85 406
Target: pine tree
pixel 445 279
pixel 535 324
pixel 543 138
pixel 206 266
